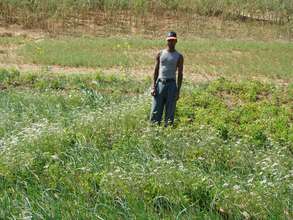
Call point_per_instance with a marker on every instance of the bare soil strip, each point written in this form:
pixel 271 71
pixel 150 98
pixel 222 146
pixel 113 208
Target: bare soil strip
pixel 17 31
pixel 138 73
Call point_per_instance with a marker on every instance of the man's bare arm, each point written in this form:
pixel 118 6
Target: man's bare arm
pixel 180 74
pixel 156 71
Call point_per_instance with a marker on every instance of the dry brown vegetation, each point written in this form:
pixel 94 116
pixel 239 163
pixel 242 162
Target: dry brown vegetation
pixel 149 17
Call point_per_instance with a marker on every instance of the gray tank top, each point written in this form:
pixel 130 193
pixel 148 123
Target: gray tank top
pixel 168 64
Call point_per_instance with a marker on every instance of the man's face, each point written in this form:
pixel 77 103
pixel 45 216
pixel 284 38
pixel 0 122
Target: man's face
pixel 171 43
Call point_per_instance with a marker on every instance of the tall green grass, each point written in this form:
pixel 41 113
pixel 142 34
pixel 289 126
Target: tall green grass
pixel 40 96
pixel 65 152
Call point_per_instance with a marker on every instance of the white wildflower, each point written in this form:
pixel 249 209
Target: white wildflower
pixel 250 180
pixel 225 184
pixel 236 187
pixel 55 157
pixel 246 215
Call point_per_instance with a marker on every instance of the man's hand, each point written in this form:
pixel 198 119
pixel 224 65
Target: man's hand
pixel 177 95
pixel 153 91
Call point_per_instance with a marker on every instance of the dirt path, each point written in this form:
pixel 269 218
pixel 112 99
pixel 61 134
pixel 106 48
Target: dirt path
pixel 17 31
pixel 134 71
pixel 139 73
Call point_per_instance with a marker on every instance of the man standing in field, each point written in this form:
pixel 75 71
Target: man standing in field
pixel 165 90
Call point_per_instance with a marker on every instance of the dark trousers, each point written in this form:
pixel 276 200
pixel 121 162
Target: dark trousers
pixel 166 92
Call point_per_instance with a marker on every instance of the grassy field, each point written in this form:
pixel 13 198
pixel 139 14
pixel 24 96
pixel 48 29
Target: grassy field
pixel 80 146
pixel 75 140
pixel 220 57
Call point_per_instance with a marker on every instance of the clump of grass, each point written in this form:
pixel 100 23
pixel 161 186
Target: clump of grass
pixel 8 76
